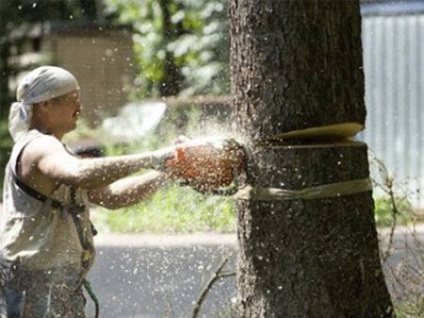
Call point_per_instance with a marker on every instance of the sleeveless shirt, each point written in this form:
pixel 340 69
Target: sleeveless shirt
pixel 42 234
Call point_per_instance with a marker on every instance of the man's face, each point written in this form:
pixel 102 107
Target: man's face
pixel 65 111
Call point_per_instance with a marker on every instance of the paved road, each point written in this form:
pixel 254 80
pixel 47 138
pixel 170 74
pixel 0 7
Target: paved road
pixel 161 276
pixel 143 276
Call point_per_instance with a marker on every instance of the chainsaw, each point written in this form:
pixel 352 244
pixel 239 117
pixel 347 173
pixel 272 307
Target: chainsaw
pixel 208 165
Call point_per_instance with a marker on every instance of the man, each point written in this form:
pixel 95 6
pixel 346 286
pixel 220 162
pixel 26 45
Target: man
pixel 46 238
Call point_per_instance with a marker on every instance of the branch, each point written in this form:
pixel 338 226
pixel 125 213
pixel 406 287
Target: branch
pixel 215 277
pixel 395 213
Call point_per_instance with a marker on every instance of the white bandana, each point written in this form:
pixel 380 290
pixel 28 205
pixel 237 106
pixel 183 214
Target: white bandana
pixel 41 84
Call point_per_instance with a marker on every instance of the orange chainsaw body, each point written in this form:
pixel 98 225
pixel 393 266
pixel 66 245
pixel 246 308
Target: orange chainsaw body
pixel 207 165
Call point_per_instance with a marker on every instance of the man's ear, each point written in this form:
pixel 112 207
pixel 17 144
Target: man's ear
pixel 46 103
pixel 41 107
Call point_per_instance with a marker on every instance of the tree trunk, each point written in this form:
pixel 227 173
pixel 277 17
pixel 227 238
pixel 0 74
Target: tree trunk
pixel 172 77
pixel 300 60
pixel 4 79
pixel 297 65
pixel 310 257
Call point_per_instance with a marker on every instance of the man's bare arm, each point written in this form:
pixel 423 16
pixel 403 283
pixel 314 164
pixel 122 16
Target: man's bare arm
pixel 53 161
pixel 128 191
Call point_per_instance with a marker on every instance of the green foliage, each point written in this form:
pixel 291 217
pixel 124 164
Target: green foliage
pixel 392 205
pixel 194 41
pixel 386 209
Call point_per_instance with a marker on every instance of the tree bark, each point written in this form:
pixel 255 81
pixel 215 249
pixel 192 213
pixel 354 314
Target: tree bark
pixel 310 257
pixel 297 64
pixel 303 57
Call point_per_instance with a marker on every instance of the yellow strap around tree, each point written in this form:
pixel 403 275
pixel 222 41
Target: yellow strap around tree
pixel 337 189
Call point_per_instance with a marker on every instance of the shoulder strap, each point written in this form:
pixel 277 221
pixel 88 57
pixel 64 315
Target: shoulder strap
pixel 32 192
pixel 24 187
pixel 75 211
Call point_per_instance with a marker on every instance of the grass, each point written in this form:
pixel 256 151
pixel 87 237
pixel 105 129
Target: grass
pixel 173 209
pixel 176 209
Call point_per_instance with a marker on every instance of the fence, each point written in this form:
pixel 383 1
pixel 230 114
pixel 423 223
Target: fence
pixel 393 44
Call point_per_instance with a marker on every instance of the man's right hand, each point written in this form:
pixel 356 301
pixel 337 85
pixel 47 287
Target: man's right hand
pixel 160 157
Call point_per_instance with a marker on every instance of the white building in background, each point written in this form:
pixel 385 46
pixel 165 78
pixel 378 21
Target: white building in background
pixel 393 44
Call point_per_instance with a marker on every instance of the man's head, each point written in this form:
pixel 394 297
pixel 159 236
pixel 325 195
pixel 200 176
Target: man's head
pixel 46 85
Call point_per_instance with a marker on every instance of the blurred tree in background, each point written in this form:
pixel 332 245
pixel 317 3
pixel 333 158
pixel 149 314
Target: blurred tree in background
pixel 16 13
pixel 181 46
